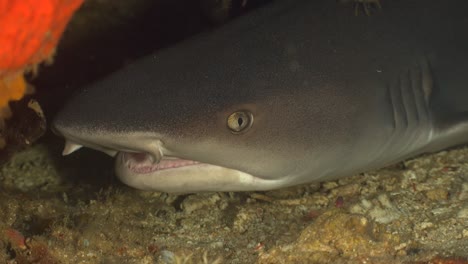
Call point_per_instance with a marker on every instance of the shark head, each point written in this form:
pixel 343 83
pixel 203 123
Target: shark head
pixel 168 136
pixel 186 126
pixel 214 114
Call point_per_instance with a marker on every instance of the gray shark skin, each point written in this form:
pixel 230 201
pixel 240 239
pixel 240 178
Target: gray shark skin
pixel 294 92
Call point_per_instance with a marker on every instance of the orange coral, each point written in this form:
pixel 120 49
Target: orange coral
pixel 12 87
pixel 29 35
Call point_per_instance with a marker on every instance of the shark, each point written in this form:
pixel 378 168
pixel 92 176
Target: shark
pixel 294 92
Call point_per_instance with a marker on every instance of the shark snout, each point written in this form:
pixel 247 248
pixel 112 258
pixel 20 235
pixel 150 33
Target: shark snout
pixel 74 142
pixel 140 145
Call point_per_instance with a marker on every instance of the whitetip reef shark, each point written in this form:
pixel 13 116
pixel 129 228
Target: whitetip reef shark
pixel 294 92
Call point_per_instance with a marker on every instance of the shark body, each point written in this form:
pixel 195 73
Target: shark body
pixel 294 92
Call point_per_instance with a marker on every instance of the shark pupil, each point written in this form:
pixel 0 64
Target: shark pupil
pixel 240 121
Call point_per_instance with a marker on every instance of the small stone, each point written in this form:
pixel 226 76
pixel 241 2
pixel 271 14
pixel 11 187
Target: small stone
pixel 464 192
pixel 385 201
pixel 463 213
pixel 330 185
pixel 167 256
pixel 425 225
pixel 346 190
pixel 366 203
pixel 401 246
pixel 441 210
pixel 357 209
pixel 465 233
pixel 384 216
pixel 217 244
pixel 437 194
pixel 243 220
pixel 261 197
pixel 197 202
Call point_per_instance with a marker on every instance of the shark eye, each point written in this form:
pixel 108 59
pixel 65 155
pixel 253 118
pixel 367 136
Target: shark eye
pixel 240 121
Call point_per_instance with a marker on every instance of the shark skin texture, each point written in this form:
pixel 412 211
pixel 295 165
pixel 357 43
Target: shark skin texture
pixel 291 93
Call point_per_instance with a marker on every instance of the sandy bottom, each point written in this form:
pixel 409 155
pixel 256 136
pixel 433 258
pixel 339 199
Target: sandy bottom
pixel 71 210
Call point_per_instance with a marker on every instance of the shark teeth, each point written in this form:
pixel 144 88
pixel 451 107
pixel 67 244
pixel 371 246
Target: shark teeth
pixel 70 147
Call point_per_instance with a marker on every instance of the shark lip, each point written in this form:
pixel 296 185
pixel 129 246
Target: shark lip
pixel 143 163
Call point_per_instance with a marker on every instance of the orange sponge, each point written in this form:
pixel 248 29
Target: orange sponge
pixel 29 35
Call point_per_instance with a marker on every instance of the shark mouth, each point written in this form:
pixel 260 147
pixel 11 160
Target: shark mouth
pixel 151 170
pixel 142 163
pixel 138 162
